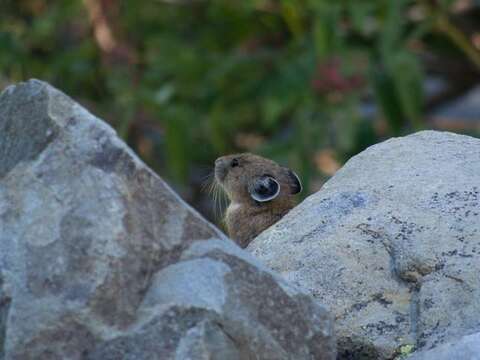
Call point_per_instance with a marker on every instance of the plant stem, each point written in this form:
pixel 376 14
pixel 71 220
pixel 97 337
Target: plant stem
pixel 458 38
pixel 444 25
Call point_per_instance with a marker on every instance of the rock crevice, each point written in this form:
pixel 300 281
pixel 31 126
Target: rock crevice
pixel 5 301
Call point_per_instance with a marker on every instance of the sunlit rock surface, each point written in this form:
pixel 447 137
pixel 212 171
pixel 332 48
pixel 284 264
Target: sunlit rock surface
pixel 99 259
pixel 391 244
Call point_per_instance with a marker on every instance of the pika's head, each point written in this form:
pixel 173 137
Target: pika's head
pixel 252 178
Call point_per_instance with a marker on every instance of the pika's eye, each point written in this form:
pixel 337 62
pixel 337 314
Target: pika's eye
pixel 234 163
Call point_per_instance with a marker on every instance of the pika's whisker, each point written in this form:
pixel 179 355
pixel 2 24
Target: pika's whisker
pixel 207 182
pixel 217 201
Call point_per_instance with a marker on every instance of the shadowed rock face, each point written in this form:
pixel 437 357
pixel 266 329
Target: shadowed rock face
pixel 391 244
pixel 99 259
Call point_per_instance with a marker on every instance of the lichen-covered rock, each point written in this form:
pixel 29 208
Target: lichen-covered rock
pixel 99 259
pixel 466 348
pixel 391 244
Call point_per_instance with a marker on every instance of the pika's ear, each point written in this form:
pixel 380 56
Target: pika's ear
pixel 264 188
pixel 294 182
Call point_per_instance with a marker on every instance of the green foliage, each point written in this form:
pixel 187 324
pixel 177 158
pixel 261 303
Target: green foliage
pixel 291 74
pixel 404 351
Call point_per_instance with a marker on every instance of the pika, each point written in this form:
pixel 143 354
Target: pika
pixel 260 191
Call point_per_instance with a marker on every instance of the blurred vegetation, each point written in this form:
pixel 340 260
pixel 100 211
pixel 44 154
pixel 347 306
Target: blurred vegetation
pixel 308 83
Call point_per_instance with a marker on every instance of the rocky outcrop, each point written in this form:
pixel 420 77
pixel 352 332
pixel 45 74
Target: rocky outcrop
pixel 99 259
pixel 391 244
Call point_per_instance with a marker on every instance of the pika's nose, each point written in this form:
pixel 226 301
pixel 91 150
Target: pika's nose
pixel 220 161
pixel 220 168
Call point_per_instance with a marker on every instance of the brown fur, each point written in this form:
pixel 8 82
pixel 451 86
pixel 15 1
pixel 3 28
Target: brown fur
pixel 245 217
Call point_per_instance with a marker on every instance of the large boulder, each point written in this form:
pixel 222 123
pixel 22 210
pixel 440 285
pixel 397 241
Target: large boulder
pixel 391 244
pixel 99 259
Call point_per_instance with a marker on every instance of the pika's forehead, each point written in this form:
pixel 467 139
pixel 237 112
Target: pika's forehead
pixel 250 159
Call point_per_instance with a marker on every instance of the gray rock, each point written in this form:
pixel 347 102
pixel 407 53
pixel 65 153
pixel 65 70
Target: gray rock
pixel 462 113
pixel 466 348
pixel 391 244
pixel 99 259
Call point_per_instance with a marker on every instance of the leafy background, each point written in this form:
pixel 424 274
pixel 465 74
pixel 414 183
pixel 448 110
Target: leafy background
pixel 308 83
